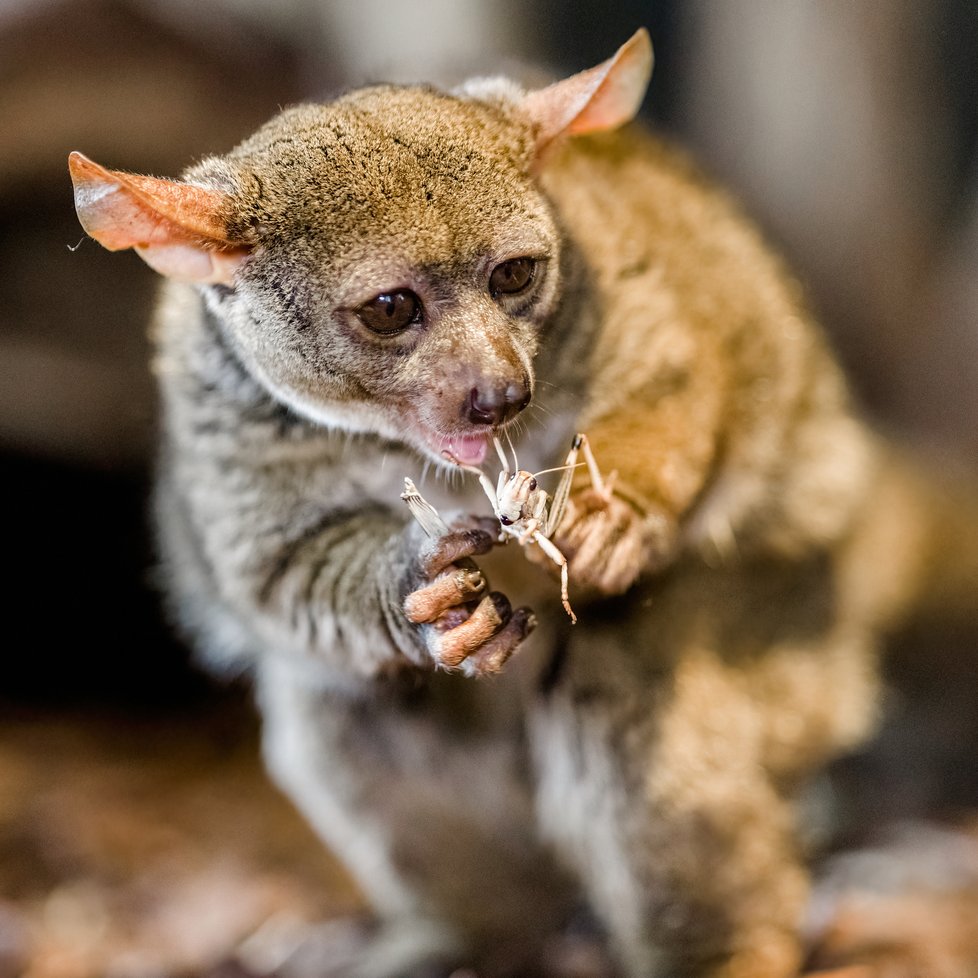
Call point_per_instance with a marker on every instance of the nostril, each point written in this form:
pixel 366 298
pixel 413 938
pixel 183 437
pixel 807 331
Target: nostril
pixel 517 397
pixel 486 407
pixel 496 404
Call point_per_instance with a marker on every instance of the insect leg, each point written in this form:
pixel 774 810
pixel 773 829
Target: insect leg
pixel 532 526
pixel 487 486
pixel 536 515
pixel 601 486
pixel 503 461
pixel 426 514
pixel 490 490
pixel 559 502
pixel 560 560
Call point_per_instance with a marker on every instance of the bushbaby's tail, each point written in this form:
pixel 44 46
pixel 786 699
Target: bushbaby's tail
pixel 912 568
pixel 915 552
pixel 947 571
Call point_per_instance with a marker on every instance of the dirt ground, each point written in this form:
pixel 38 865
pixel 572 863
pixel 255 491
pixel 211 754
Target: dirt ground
pixel 155 846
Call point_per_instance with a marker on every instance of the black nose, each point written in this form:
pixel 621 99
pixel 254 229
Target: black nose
pixel 496 405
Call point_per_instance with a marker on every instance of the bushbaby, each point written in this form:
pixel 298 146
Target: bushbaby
pixel 365 284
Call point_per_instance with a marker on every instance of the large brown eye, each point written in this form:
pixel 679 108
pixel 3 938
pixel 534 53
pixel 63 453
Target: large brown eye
pixel 512 277
pixel 391 312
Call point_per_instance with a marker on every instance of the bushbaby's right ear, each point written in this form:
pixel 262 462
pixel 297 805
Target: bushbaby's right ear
pixel 600 98
pixel 176 228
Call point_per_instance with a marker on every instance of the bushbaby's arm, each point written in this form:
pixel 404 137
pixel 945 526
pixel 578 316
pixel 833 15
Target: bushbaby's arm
pixel 286 532
pixel 660 438
pixel 705 383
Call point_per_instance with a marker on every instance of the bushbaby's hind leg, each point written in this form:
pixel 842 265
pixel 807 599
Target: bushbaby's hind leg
pixel 685 848
pixel 424 804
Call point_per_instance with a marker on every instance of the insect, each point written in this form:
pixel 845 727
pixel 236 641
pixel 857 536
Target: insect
pixel 524 510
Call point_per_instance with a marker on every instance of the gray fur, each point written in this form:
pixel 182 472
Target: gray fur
pixel 646 760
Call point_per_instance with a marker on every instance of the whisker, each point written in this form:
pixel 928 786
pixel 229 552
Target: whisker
pixel 517 427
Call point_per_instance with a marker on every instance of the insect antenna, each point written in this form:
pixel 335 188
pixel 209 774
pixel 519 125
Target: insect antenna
pixel 516 463
pixel 559 468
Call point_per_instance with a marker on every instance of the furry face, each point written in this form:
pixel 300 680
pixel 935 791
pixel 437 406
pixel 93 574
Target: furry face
pixel 401 276
pixel 385 262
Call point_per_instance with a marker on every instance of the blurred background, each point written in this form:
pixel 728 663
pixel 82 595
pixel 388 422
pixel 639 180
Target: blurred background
pixel 849 128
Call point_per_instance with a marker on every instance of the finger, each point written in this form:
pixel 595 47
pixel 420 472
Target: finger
pixel 450 648
pixel 602 552
pixel 586 539
pixel 446 591
pixel 452 548
pixel 593 501
pixel 494 653
pixel 627 563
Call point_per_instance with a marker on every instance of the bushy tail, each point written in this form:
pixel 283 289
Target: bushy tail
pixel 946 582
pixel 915 555
pixel 913 567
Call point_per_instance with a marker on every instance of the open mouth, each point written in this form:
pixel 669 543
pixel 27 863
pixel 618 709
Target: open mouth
pixel 468 449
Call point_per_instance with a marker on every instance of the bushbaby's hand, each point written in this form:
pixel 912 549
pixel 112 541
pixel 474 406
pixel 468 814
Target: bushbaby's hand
pixel 462 624
pixel 609 542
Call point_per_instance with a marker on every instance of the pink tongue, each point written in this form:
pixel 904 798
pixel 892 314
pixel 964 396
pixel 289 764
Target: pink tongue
pixel 469 449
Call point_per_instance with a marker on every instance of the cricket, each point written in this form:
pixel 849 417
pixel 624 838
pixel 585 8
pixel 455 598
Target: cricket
pixel 525 511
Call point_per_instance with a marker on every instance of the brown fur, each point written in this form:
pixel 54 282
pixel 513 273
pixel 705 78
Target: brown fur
pixel 759 541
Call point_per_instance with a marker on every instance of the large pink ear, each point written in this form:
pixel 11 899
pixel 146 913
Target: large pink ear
pixel 601 98
pixel 176 228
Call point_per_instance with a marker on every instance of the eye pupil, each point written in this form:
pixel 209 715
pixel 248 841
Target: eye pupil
pixel 391 312
pixel 512 277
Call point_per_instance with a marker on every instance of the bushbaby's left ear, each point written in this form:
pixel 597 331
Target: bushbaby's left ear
pixel 600 98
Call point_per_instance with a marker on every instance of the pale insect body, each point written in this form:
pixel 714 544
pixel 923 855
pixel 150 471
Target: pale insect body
pixel 524 510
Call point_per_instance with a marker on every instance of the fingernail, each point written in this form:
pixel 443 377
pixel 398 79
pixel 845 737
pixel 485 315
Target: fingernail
pixel 472 581
pixel 503 608
pixel 479 541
